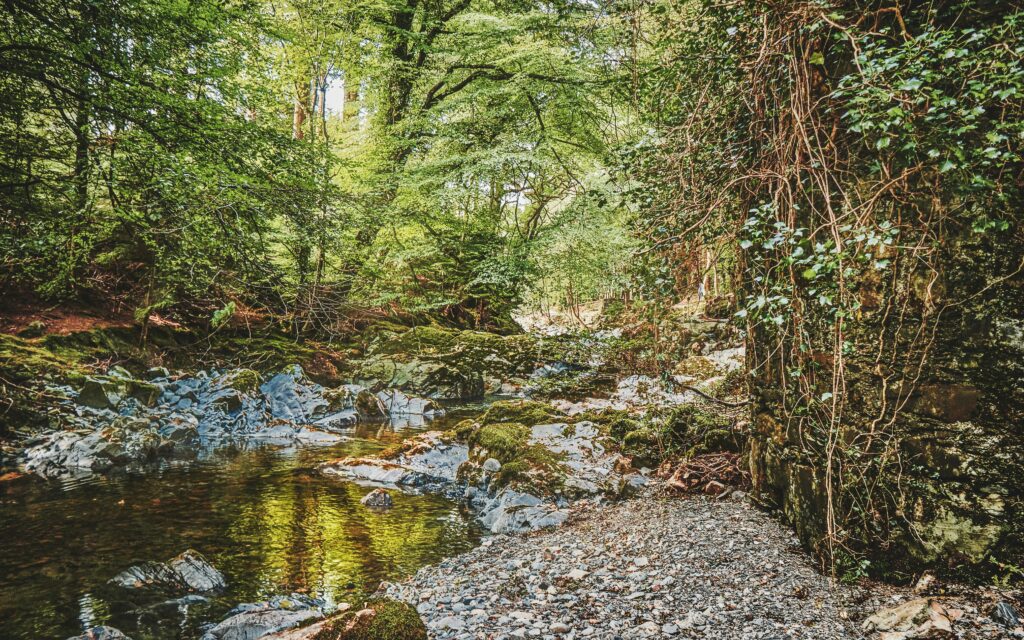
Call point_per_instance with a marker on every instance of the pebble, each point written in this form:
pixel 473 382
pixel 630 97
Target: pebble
pixel 650 567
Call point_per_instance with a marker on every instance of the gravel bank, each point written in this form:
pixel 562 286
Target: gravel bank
pixel 650 567
pixel 661 567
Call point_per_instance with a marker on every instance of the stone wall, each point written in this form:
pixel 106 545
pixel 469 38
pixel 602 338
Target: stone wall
pixel 940 479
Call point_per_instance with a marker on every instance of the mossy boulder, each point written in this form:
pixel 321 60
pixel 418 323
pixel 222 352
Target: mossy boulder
pixel 438 362
pixel 485 352
pixel 504 441
pixel 424 376
pixel 379 620
pixel 242 380
pixel 536 470
pixel 527 412
pixel 503 432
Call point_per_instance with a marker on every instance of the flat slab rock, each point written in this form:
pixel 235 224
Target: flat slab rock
pixel 429 458
pixel 652 568
pixel 261 619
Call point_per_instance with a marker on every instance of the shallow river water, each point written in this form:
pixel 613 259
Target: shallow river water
pixel 264 517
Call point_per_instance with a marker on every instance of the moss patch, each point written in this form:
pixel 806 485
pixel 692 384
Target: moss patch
pixel 380 620
pixel 528 412
pixel 243 380
pixel 505 441
pixel 497 434
pixel 24 361
pixel 537 468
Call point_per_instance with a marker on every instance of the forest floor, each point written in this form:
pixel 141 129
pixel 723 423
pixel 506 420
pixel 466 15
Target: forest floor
pixel 661 566
pixel 18 314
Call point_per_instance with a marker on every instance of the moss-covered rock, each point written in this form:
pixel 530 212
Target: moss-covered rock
pixel 503 432
pixel 379 620
pixel 504 441
pixel 26 361
pixel 424 376
pixel 242 380
pixel 527 412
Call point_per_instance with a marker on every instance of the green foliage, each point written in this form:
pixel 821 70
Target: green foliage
pixel 946 101
pixel 306 157
pixel 222 315
pixel 775 252
pixel 526 412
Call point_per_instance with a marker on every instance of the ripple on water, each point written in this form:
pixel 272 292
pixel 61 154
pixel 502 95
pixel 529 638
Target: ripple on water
pixel 264 517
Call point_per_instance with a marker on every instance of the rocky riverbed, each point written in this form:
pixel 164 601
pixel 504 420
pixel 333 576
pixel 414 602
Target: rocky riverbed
pixel 658 566
pixel 117 420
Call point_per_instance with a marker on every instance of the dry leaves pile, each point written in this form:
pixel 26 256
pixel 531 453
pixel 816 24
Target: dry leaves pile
pixel 712 473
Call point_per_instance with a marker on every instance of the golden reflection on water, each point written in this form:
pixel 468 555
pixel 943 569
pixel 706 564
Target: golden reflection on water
pixel 265 518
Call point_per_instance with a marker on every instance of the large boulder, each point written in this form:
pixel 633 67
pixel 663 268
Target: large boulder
pixel 102 393
pixel 291 397
pixel 428 377
pixel 188 572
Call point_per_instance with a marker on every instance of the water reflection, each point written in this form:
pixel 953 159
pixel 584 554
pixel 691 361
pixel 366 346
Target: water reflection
pixel 264 517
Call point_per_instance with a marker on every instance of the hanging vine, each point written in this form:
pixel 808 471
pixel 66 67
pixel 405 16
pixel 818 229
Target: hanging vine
pixel 849 148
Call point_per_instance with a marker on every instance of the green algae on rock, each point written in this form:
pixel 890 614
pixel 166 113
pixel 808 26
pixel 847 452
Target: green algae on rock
pixel 379 620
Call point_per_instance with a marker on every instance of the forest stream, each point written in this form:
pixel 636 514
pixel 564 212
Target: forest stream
pixel 262 515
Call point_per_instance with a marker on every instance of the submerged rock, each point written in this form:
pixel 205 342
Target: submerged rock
pixel 259 619
pixel 101 633
pixel 378 498
pixel 197 572
pixel 188 572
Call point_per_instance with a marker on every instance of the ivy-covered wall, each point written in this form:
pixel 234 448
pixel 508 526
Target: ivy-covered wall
pixel 927 467
pixel 882 285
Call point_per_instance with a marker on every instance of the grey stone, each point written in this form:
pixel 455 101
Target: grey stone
pixel 101 633
pixel 1006 615
pixel 188 572
pixel 378 498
